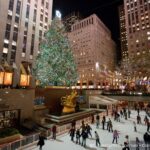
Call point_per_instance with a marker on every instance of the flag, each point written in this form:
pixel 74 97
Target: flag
pixel 23 69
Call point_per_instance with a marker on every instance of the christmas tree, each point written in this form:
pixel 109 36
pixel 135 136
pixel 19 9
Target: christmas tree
pixel 55 64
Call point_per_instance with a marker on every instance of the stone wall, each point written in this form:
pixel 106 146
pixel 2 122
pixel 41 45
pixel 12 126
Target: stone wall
pixel 18 99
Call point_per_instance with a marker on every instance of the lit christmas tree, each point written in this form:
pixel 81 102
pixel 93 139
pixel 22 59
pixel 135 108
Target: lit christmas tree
pixel 55 64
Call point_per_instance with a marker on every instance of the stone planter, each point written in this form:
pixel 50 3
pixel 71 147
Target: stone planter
pixel 10 139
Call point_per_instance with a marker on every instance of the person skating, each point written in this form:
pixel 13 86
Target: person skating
pixel 78 136
pixel 125 146
pixel 137 143
pixel 103 123
pixel 88 130
pixel 97 139
pixel 135 129
pixel 146 120
pixel 127 140
pixel 121 113
pixel 84 137
pixel 72 133
pixel 148 125
pixel 115 136
pixel 146 138
pixel 41 141
pixel 54 130
pixel 129 113
pixel 97 121
pixel 138 119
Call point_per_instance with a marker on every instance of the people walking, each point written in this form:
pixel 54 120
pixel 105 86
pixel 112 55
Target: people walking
pixel 97 139
pixel 41 141
pixel 54 130
pixel 115 136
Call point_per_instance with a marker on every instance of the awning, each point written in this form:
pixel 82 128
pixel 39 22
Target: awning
pixel 101 100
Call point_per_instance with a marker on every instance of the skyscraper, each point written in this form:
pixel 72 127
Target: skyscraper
pixel 22 26
pixel 123 34
pixel 93 49
pixel 137 18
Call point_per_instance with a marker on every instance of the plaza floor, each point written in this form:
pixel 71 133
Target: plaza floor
pixel 125 127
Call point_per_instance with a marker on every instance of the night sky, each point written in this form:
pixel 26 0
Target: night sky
pixel 106 10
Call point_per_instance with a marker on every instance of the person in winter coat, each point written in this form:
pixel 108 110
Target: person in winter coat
pixel 88 130
pixel 78 136
pixel 72 133
pixel 148 125
pixel 135 129
pixel 137 143
pixel 84 137
pixel 41 141
pixel 115 136
pixel 146 138
pixel 54 130
pixel 146 120
pixel 125 146
pixel 97 121
pixel 97 139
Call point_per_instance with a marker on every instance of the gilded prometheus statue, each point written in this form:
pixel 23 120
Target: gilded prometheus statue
pixel 69 102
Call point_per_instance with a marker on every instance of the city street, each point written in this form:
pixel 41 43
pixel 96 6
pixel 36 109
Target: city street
pixel 125 127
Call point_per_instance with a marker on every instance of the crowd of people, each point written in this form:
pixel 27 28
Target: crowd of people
pixel 79 135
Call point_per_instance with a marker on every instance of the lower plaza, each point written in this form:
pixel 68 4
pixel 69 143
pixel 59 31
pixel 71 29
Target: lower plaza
pixel 124 128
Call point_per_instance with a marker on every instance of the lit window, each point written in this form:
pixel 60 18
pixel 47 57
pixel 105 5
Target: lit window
pixel 23 54
pixel 5 50
pixel 148 33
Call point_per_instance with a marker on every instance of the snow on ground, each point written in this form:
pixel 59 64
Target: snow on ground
pixel 125 127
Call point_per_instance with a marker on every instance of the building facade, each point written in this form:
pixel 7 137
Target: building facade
pixel 93 49
pixel 137 17
pixel 123 34
pixel 22 27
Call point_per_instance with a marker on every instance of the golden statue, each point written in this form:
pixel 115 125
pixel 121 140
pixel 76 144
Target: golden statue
pixel 69 102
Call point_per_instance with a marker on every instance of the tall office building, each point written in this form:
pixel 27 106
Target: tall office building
pixel 93 49
pixel 137 17
pixel 22 26
pixel 123 34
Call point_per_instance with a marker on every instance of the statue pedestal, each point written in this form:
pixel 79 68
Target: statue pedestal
pixel 68 109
